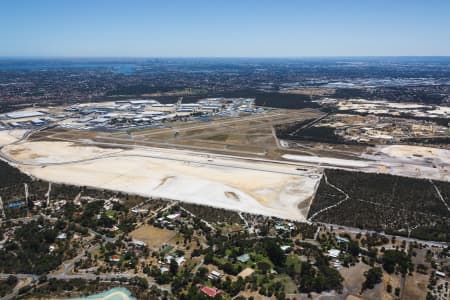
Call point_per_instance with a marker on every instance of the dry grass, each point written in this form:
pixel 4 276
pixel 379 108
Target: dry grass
pixel 244 136
pixel 154 237
pixel 354 278
pixel 246 272
pixel 415 286
pixel 310 91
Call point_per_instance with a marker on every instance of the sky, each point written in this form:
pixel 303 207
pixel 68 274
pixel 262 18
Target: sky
pixel 224 28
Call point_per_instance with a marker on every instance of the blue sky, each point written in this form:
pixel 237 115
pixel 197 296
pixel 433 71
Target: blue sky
pixel 224 28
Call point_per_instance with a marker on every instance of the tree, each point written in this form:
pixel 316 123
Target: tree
pixel 140 281
pixel 353 248
pixel 209 257
pixel 373 276
pixel 393 258
pixel 11 280
pixel 274 252
pixel 229 268
pixel 173 267
pixel 262 291
pixel 196 252
pixel 42 278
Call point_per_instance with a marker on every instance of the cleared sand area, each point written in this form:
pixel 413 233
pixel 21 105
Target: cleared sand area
pixel 401 160
pixel 416 152
pixel 51 152
pixel 338 162
pixel 413 161
pixel 10 136
pixel 258 187
pixel 153 237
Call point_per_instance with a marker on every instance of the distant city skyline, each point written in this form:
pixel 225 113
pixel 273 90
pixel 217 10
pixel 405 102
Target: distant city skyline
pixel 201 28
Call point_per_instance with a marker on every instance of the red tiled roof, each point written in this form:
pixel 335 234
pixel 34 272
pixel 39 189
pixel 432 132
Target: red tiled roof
pixel 210 291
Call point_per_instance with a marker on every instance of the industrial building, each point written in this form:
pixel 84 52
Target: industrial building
pixel 131 113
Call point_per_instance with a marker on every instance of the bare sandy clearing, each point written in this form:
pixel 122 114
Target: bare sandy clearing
pixel 327 161
pixel 224 182
pixel 51 152
pixel 401 151
pixel 415 286
pixel 10 136
pixel 354 278
pixel 401 160
pixel 440 110
pixel 414 161
pixel 152 236
pixel 246 272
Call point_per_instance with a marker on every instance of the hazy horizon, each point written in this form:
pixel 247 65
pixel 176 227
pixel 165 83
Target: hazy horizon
pixel 19 57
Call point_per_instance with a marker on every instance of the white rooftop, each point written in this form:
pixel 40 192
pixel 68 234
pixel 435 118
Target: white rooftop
pixel 24 114
pixel 334 253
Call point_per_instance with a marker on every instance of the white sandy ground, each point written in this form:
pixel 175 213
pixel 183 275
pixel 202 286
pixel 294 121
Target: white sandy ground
pixel 414 161
pixel 402 160
pixel 10 136
pixel 55 152
pixel 258 187
pixel 415 152
pixel 382 107
pixel 254 187
pixel 338 162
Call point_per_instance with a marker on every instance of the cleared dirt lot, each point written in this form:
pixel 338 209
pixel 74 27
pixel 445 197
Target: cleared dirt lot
pixel 354 278
pixel 401 160
pixel 259 187
pixel 10 136
pixel 415 286
pixel 67 155
pixel 310 91
pixel 154 237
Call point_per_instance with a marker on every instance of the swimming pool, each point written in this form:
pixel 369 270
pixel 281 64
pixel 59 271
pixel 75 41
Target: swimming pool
pixel 112 294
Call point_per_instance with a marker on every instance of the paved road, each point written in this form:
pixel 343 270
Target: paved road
pixel 398 238
pixel 68 266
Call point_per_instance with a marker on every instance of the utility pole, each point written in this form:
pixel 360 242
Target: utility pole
pixel 2 208
pixel 26 198
pixel 26 192
pixel 48 193
pixel 180 100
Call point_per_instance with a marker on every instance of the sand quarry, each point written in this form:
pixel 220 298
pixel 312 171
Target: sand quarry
pixel 264 188
pixel 10 136
pixel 412 161
pixel 401 160
pixel 258 186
